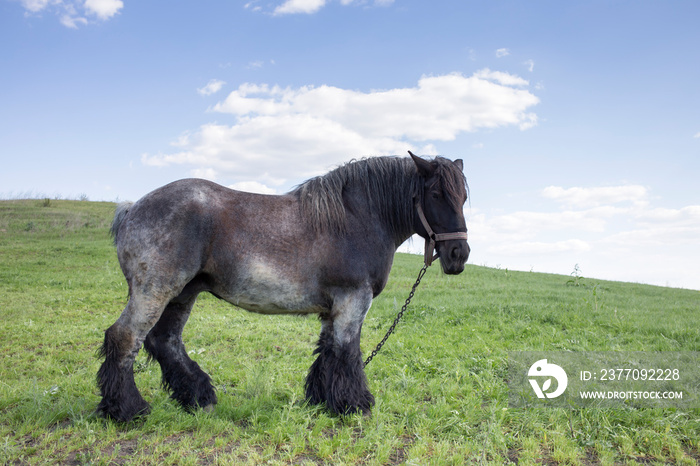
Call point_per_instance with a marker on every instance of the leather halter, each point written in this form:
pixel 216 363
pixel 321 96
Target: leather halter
pixel 435 237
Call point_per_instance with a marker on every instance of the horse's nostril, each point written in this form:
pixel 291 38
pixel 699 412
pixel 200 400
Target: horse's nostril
pixel 454 253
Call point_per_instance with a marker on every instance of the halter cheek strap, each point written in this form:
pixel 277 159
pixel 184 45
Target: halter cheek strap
pixel 435 237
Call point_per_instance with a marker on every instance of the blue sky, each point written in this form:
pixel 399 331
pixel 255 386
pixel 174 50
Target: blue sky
pixel 578 122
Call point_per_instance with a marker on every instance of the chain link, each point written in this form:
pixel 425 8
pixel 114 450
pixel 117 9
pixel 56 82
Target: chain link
pixel 398 317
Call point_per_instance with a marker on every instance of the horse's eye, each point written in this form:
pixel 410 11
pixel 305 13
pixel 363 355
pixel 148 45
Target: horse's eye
pixel 435 195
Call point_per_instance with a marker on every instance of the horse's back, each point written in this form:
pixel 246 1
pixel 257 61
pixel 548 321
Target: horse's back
pixel 247 248
pixel 172 221
pixel 193 209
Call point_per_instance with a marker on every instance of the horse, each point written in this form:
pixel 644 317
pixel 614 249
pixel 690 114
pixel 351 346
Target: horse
pixel 325 248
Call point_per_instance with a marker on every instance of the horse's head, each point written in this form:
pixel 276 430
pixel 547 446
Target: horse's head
pixel 443 192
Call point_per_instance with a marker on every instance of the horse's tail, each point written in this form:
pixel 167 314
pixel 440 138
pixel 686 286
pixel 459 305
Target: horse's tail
pixel 119 214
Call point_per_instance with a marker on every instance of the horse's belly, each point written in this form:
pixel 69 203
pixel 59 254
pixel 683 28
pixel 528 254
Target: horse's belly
pixel 269 289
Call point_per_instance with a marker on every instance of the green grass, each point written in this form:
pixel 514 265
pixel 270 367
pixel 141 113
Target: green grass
pixel 439 382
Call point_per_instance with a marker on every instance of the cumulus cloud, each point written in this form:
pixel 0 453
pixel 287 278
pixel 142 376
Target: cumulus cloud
pixel 297 132
pixel 500 77
pixel 311 6
pixel 72 20
pixel 689 215
pixel 539 247
pixel 75 13
pixel 103 9
pixel 596 196
pixel 295 146
pixel 253 6
pixel 438 108
pixel 253 187
pixel 35 6
pixel 299 6
pixel 613 232
pixel 212 87
pixel 603 222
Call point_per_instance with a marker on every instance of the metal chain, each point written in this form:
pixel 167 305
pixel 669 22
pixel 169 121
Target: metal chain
pixel 398 317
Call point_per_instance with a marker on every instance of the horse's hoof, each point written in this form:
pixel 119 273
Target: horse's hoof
pixel 118 414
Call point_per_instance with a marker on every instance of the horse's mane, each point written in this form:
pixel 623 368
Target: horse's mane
pixel 390 185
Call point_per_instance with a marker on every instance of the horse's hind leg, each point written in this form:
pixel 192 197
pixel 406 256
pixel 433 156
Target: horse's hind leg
pixel 190 386
pixel 121 399
pixel 337 376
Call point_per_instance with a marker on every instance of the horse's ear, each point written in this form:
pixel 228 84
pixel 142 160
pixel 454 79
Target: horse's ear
pixel 459 164
pixel 424 167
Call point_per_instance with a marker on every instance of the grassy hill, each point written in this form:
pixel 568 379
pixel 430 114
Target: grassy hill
pixel 440 381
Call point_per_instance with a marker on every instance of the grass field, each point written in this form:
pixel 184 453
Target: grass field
pixel 440 381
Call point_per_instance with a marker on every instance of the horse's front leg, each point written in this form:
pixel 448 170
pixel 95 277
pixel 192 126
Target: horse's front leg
pixel 337 376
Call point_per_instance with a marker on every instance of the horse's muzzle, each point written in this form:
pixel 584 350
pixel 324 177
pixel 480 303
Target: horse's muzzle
pixel 453 255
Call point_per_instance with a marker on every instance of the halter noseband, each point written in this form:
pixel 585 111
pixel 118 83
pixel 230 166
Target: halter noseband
pixel 435 237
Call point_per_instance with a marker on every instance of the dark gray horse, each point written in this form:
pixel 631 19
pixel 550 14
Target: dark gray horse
pixel 325 248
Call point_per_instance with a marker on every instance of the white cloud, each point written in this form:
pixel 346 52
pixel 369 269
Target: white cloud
pixel 500 77
pixel 297 132
pixel 253 187
pixel 206 173
pixel 658 236
pixel 697 135
pixel 530 65
pixel 252 6
pixel 538 247
pixel 297 146
pixel 613 232
pixel 438 108
pixel 500 53
pixel 299 6
pixel 74 13
pixel 685 216
pixel 526 224
pixel 35 6
pixel 103 9
pixel 311 6
pixel 212 87
pixel 596 196
pixel 72 21
pixel 529 121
